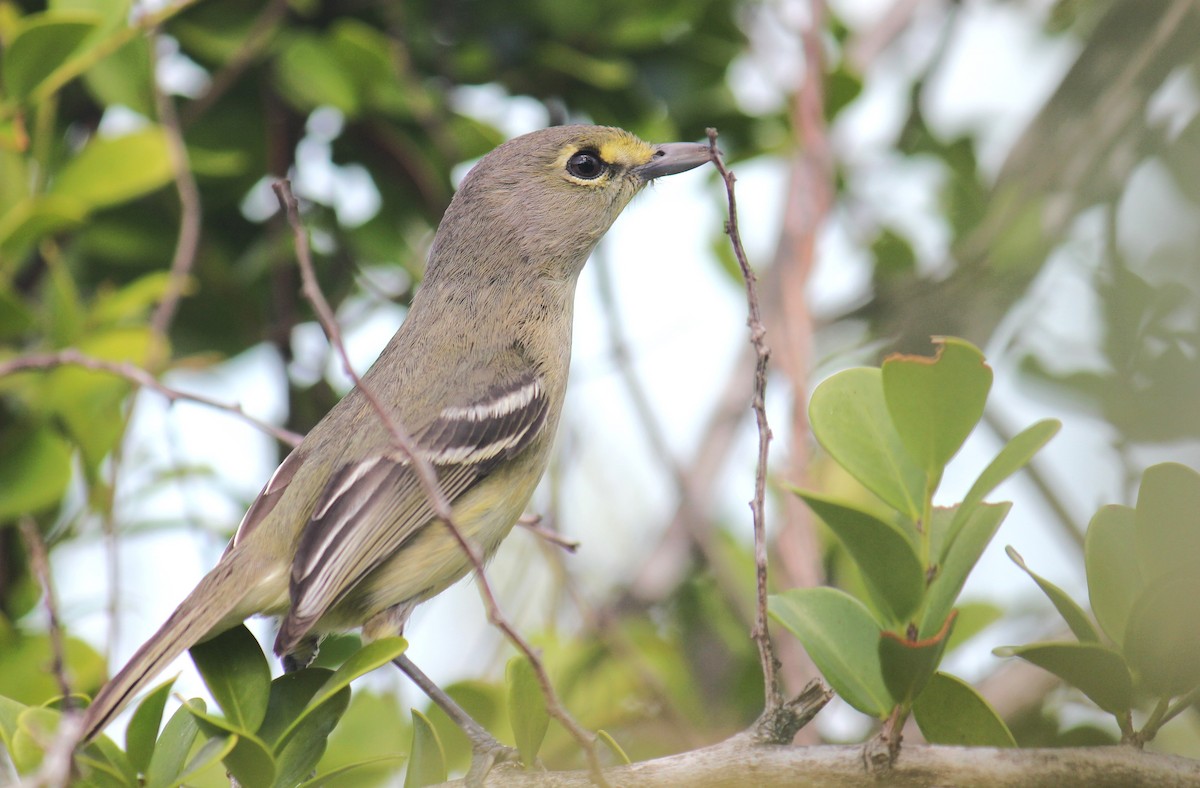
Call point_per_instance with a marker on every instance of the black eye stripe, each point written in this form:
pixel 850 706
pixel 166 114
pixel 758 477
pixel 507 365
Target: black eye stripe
pixel 586 165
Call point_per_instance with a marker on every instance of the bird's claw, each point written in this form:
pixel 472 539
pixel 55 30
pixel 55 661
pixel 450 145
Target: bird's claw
pixel 486 754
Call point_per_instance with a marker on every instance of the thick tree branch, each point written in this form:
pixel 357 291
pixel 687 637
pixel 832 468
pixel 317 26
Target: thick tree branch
pixel 740 761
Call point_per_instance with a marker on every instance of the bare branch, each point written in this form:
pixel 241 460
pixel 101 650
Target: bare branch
pixel 253 44
pixel 760 632
pixel 426 476
pixel 190 210
pixel 40 562
pixel 533 524
pixel 139 376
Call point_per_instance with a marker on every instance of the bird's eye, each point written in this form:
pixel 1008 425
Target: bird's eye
pixel 587 165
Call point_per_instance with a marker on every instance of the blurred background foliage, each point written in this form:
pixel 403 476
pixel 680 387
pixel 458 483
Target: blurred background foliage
pixel 1072 253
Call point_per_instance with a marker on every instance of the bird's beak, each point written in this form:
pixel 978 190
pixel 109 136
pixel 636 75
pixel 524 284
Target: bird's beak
pixel 672 158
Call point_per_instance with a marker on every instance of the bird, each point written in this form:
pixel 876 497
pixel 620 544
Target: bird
pixel 343 536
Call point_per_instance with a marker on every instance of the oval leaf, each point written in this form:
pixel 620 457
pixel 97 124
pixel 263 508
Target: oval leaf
pixel 43 43
pixel 170 754
pixel 290 694
pixel 297 759
pixel 142 732
pixel 850 420
pixel 886 558
pixel 112 170
pixel 526 708
pixel 371 656
pixel 951 712
pixel 1113 576
pixel 842 638
pixel 427 761
pixel 972 540
pixel 1163 636
pixel 908 664
pixel 250 760
pixel 1168 519
pixel 1015 455
pixel 936 402
pixel 35 471
pixel 1096 670
pixel 238 676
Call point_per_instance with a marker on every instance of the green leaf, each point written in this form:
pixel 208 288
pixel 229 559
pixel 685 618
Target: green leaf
pixel 131 302
pixel 885 556
pixel 973 539
pixel 104 765
pixel 113 170
pixel 10 712
pixel 526 708
pixel 42 43
pixel 125 78
pixel 23 661
pixel 936 402
pixel 1113 575
pixel 238 676
pixel 290 695
pixel 1096 670
pixel 310 74
pixel 1168 519
pixel 612 745
pixel 352 774
pixel 170 754
pixel 34 218
pixel 250 760
pixel 1071 612
pixel 850 420
pixel 951 712
pixel 372 724
pixel 142 732
pixel 363 661
pixel 427 761
pixel 211 752
pixel 842 638
pixel 1162 640
pixel 908 665
pixel 1015 455
pixel 35 726
pixel 300 755
pixel 35 471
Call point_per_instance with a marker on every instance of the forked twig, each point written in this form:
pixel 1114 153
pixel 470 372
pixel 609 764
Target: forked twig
pixel 135 374
pixel 780 720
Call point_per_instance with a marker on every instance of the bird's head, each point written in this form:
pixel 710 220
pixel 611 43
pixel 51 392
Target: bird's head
pixel 543 200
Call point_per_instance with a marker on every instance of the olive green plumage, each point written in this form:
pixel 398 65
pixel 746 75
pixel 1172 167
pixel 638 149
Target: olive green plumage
pixel 342 536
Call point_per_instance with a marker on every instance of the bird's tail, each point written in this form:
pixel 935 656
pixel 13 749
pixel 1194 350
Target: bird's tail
pixel 208 607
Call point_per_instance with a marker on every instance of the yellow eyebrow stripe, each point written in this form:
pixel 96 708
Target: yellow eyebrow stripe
pixel 626 152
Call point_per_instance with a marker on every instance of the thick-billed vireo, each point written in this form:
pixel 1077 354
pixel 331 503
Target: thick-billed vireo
pixel 343 536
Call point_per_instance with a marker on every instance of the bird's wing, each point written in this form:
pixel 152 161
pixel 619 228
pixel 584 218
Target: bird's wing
pixel 370 507
pixel 270 495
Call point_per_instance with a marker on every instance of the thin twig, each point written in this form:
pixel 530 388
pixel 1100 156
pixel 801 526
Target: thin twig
pixel 189 208
pixel 254 43
pixel 533 524
pixel 426 477
pixel 760 632
pixel 40 563
pixel 135 374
